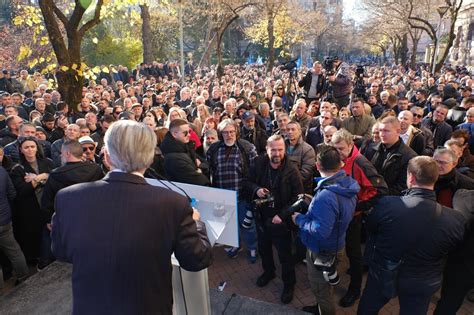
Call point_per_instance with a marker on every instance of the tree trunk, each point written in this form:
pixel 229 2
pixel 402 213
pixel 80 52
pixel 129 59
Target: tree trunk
pixel 414 49
pixel 271 40
pixel 220 67
pixel 146 34
pixel 404 50
pixel 70 83
pixel 396 51
pixel 451 37
pixel 435 43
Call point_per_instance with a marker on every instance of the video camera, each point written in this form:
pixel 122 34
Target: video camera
pixel 359 87
pixel 360 71
pixel 328 64
pixel 301 205
pixel 289 66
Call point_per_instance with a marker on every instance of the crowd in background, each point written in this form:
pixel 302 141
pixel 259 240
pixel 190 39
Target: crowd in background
pixel 402 113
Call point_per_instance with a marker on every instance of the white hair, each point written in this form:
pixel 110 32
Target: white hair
pixel 130 145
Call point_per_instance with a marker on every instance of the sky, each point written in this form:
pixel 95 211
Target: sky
pixel 351 10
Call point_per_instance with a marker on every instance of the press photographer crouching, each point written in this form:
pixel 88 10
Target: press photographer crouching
pixel 274 184
pixel 323 227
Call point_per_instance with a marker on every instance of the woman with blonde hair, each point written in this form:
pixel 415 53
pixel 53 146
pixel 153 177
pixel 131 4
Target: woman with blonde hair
pixel 202 115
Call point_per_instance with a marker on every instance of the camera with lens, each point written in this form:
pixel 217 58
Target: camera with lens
pixel 248 220
pixel 360 71
pixel 359 86
pixel 327 264
pixel 328 64
pixel 269 199
pixel 301 205
pixel 330 275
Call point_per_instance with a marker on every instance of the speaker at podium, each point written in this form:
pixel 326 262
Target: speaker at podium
pixel 218 209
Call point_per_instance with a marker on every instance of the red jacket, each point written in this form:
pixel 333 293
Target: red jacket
pixel 372 185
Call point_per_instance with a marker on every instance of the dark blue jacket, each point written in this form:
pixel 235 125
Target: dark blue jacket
pixel 7 194
pixel 335 196
pixel 405 227
pixel 119 234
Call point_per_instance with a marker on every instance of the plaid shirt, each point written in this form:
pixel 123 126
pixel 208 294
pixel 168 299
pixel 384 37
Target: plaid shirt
pixel 228 173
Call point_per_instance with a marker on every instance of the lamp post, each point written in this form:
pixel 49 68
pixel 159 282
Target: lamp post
pixel 181 39
pixel 441 11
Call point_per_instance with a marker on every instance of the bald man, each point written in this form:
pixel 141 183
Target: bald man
pixel 411 136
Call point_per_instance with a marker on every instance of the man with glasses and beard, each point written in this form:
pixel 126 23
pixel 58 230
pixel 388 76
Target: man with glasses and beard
pixel 229 162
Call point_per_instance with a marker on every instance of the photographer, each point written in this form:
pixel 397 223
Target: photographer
pixel 277 182
pixel 323 227
pixel 313 83
pixel 340 80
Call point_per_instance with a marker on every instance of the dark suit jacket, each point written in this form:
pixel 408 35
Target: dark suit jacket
pixel 314 137
pixel 119 234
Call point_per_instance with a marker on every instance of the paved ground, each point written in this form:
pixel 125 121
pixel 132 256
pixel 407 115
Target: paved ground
pixel 240 277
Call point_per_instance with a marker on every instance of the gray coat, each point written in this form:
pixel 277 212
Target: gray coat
pixel 305 158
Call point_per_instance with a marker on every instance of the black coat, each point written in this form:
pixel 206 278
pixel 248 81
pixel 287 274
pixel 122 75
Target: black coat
pixel 256 136
pixel 119 234
pixel 417 142
pixel 65 176
pixel 7 194
pixel 180 162
pixel 441 132
pixel 27 218
pixel 285 189
pixel 406 227
pixel 393 168
pixel 314 136
pixel 305 83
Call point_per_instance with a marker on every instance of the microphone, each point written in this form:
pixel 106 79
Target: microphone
pixel 154 174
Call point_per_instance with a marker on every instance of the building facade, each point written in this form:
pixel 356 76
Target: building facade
pixel 462 52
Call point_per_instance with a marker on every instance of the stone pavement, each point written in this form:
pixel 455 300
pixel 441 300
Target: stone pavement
pixel 49 291
pixel 240 277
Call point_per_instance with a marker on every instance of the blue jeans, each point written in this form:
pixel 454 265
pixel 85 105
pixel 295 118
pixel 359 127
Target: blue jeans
pixel 249 235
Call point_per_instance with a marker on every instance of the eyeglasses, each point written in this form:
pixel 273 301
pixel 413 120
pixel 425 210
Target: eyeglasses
pixel 88 148
pixel 442 162
pixel 230 132
pixel 417 115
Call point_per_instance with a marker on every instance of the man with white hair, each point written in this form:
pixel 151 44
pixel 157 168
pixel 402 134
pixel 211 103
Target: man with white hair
pixel 132 230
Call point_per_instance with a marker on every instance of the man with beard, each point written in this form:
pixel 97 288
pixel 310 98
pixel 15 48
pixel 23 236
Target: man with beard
pixel 274 175
pixel 210 136
pixel 253 133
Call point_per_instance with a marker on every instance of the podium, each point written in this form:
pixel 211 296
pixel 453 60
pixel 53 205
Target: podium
pixel 218 209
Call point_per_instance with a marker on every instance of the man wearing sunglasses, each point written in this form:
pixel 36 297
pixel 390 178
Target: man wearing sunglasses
pixel 181 162
pixel 88 149
pixel 427 134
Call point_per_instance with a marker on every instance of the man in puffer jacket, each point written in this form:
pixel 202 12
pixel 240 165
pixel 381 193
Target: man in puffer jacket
pixel 323 228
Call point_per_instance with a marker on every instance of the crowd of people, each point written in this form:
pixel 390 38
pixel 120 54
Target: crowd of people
pixel 279 141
